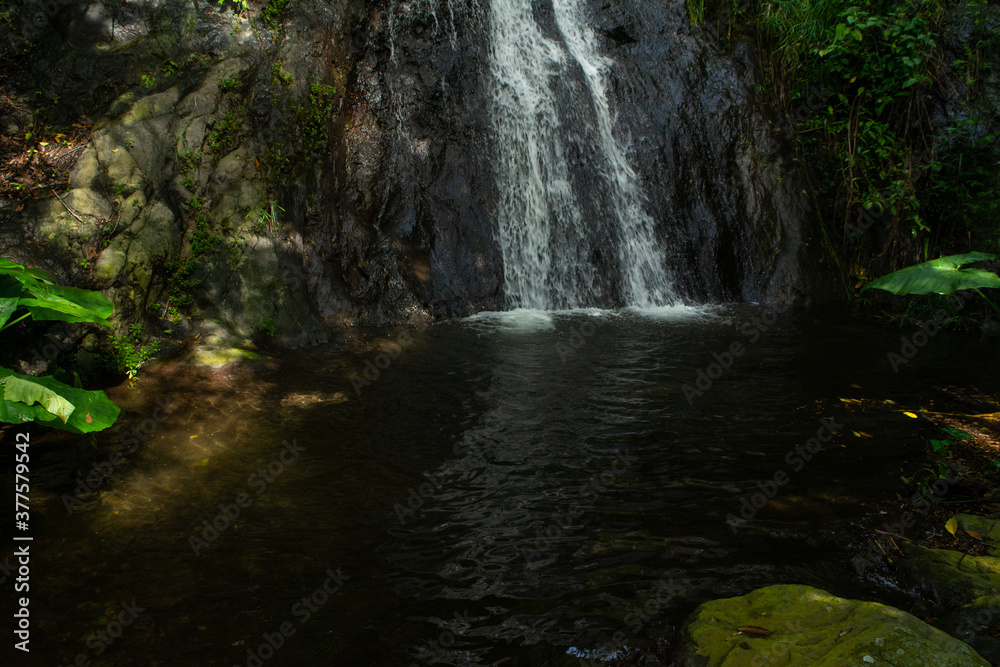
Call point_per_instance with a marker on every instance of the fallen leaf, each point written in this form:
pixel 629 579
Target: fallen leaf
pixel 856 385
pixel 850 400
pixel 889 402
pixel 951 525
pixel 974 535
pixel 910 415
pixel 846 630
pixel 754 630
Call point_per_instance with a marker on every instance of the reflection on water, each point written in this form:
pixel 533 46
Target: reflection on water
pixel 530 487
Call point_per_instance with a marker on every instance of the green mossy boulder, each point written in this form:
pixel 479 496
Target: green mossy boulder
pixel 810 627
pixel 950 578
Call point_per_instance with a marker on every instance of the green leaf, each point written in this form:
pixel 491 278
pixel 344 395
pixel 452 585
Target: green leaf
pixel 940 276
pixel 956 433
pixel 28 390
pixel 92 410
pixel 46 300
pixel 10 292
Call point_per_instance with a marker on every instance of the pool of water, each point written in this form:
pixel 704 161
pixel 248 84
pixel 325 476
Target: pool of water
pixel 516 489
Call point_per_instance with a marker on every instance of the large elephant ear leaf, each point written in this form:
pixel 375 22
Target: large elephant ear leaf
pixel 10 292
pixel 940 276
pixel 30 391
pixel 45 399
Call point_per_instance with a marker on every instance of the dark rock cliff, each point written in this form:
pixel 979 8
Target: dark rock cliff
pixel 336 170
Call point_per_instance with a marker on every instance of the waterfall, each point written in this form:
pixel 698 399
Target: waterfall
pixel 549 231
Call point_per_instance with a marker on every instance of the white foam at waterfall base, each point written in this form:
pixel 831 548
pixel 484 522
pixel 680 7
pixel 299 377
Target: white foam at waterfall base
pixel 679 312
pixel 522 320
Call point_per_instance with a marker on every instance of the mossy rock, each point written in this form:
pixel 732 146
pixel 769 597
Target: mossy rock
pixel 217 357
pixel 809 626
pixel 950 578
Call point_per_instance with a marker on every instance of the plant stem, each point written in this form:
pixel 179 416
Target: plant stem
pixel 992 305
pixel 10 324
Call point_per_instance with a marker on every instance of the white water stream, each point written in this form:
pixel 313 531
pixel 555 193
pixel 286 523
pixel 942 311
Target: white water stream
pixel 544 230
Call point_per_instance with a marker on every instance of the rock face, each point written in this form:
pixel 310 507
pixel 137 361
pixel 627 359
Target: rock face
pixel 336 169
pixel 812 627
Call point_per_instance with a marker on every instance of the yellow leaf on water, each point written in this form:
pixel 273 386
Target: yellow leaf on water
pixel 951 525
pixel 910 415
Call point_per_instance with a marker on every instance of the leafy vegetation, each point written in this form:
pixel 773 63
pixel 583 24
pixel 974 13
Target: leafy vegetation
pixel 28 292
pixel 272 11
pixel 129 353
pixel 863 82
pixel 314 115
pixel 941 276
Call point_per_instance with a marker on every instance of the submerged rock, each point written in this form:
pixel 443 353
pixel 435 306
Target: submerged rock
pixel 800 625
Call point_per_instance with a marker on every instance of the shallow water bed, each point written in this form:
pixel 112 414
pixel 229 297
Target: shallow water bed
pixel 518 488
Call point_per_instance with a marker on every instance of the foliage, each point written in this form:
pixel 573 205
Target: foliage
pixel 264 326
pixel 129 353
pixel 861 80
pixel 29 292
pixel 941 276
pixel 272 11
pixel 281 77
pixel 226 133
pixel 46 399
pixel 314 115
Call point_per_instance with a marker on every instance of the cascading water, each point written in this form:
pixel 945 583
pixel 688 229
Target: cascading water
pixel 549 231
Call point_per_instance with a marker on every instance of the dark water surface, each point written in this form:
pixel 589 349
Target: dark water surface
pixel 510 489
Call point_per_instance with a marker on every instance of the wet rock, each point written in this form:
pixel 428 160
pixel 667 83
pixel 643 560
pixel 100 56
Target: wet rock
pixel 799 625
pixel 950 578
pixel 965 587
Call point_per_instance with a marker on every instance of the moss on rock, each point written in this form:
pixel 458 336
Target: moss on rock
pixel 809 626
